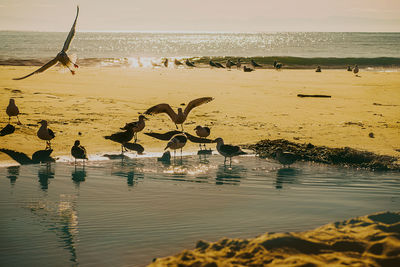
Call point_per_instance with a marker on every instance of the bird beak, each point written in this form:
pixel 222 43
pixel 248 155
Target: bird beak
pixel 146 119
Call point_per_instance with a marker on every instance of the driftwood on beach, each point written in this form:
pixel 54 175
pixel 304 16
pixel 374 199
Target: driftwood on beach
pixel 340 156
pixel 323 96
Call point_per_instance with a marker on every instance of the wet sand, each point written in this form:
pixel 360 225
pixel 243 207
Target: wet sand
pixel 364 241
pixel 247 107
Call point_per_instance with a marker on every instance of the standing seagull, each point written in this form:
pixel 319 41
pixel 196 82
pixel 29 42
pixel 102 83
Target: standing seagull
pixel 202 132
pixel 277 65
pixel 122 137
pixel 79 152
pixel 61 57
pixel 166 63
pixel 239 63
pixel 285 158
pixel 228 151
pixel 12 110
pixel 189 64
pixel 229 64
pixel 255 64
pixel 45 133
pixel 355 70
pixel 138 126
pixel 180 117
pixel 178 141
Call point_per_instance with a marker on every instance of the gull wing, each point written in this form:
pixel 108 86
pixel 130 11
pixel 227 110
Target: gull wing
pixel 162 108
pixel 195 103
pixel 230 149
pixel 41 69
pixel 71 32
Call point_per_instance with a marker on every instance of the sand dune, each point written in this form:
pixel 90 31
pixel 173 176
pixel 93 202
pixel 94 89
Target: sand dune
pixel 248 107
pixel 372 240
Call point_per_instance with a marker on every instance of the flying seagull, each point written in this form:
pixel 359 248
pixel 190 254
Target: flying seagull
pixel 62 56
pixel 180 117
pixel 228 151
pixel 45 133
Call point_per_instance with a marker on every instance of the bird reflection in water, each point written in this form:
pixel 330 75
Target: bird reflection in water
pixel 230 175
pixel 128 170
pixel 285 176
pixel 44 174
pixel 13 173
pixel 78 176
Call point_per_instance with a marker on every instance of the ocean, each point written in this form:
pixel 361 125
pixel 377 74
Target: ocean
pixel 294 49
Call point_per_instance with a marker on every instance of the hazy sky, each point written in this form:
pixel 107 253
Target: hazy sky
pixel 202 15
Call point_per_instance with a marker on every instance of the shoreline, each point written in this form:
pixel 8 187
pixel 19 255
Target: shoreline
pixel 248 107
pixel 371 239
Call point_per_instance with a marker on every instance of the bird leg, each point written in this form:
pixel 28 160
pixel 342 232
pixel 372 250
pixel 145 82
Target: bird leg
pixel 230 162
pixel 200 147
pixel 19 123
pixel 224 161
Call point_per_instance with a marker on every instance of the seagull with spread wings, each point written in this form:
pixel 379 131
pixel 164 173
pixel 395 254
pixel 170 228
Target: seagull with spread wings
pixel 180 117
pixel 62 56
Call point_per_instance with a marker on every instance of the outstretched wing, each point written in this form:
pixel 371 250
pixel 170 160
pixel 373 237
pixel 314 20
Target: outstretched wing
pixel 71 32
pixel 162 108
pixel 41 69
pixel 195 103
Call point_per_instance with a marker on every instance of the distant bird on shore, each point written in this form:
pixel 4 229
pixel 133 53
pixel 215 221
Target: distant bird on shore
pixel 277 65
pixel 177 62
pixel 355 70
pixel 349 68
pixel 122 137
pixel 189 64
pixel 12 110
pixel 8 129
pixel 246 69
pixel 180 117
pixel 318 69
pixel 228 151
pixel 212 64
pixel 138 126
pixel 62 56
pixel 202 132
pixel 79 152
pixel 219 65
pixel 254 64
pixel 165 62
pixel 285 158
pixel 45 133
pixel 229 64
pixel 178 141
pixel 239 63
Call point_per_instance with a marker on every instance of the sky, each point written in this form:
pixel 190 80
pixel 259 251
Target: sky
pixel 202 15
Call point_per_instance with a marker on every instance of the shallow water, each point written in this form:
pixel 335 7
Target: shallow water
pixel 126 212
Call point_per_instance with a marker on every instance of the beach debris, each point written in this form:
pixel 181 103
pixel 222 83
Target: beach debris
pixel 62 56
pixel 318 69
pixel 346 156
pixel 228 151
pixel 180 117
pixel 323 96
pixel 79 152
pixel 371 135
pixel 8 129
pixel 45 133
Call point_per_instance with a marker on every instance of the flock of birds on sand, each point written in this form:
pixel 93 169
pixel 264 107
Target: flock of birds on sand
pixel 131 130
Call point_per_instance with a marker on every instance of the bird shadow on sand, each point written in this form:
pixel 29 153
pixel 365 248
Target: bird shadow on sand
pixel 40 156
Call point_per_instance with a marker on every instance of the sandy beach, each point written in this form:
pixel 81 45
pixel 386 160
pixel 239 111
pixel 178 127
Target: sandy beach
pixel 247 107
